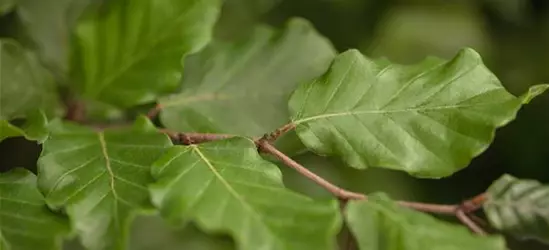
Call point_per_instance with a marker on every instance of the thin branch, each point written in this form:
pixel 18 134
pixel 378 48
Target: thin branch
pixel 430 208
pixel 154 111
pixel 462 216
pixel 279 132
pixel 266 147
pixel 194 138
pixel 474 203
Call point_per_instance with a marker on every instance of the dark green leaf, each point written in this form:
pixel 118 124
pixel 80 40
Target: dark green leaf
pixel 428 119
pixel 6 6
pixel 25 221
pixel 242 88
pixel 128 52
pixel 25 87
pixel 520 207
pixel 226 186
pixel 100 178
pixel 381 224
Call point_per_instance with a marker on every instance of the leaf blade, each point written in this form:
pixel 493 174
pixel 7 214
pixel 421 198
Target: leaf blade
pixel 519 207
pixel 380 224
pixel 428 119
pixel 100 178
pixel 131 54
pixel 226 186
pixel 25 221
pixel 243 86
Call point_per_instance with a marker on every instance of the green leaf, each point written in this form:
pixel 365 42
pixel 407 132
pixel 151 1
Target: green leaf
pixel 242 88
pixel 519 207
pixel 34 129
pixel 129 52
pixel 428 119
pixel 381 224
pixel 225 186
pixel 25 87
pixel 100 178
pixel 25 221
pixel 6 6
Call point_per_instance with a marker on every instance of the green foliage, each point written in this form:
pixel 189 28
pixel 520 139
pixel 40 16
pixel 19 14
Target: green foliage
pixel 227 186
pixel 242 88
pixel 25 221
pixel 25 87
pixel 519 207
pixel 129 52
pixel 122 57
pixel 100 178
pixel 427 119
pixel 380 224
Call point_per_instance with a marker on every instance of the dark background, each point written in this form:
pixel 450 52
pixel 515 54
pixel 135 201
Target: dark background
pixel 511 35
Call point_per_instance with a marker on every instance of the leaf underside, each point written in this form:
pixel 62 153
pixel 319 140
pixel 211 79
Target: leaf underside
pixel 519 207
pixel 381 224
pixel 130 52
pixel 428 119
pixel 242 87
pixel 226 186
pixel 100 178
pixel 26 223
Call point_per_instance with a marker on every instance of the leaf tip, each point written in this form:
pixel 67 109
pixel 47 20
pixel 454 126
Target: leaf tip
pixel 533 92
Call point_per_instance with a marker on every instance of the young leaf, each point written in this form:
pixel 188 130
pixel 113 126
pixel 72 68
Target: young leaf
pixel 25 87
pixel 519 207
pixel 428 119
pixel 6 6
pixel 242 88
pixel 226 186
pixel 100 178
pixel 25 221
pixel 128 52
pixel 381 224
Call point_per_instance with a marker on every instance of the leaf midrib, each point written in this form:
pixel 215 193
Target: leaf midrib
pixel 231 190
pixel 104 151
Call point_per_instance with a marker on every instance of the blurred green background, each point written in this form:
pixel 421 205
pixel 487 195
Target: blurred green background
pixel 511 35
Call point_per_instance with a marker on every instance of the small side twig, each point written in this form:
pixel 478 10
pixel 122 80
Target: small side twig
pixel 270 137
pixel 154 111
pixel 464 218
pixel 194 138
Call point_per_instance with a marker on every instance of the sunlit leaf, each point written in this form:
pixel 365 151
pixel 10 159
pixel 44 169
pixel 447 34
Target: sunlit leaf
pixel 225 186
pixel 100 177
pixel 242 88
pixel 428 119
pixel 25 221
pixel 25 87
pixel 381 224
pixel 520 207
pixel 128 52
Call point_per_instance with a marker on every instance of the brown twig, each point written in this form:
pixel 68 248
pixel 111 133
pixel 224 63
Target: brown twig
pixel 462 216
pixel 430 208
pixel 154 111
pixel 266 147
pixel 194 138
pixel 279 132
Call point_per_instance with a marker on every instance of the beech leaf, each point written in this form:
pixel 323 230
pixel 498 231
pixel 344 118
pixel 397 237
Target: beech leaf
pixel 519 207
pixel 428 119
pixel 225 186
pixel 26 223
pixel 100 178
pixel 128 52
pixel 242 87
pixel 25 89
pixel 381 224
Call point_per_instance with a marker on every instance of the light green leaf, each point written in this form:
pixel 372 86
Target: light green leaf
pixel 25 87
pixel 381 224
pixel 130 51
pixel 25 221
pixel 242 88
pixel 519 207
pixel 225 186
pixel 100 178
pixel 428 119
pixel 34 128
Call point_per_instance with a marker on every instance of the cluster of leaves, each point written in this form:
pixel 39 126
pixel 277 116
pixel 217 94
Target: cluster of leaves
pixel 429 120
